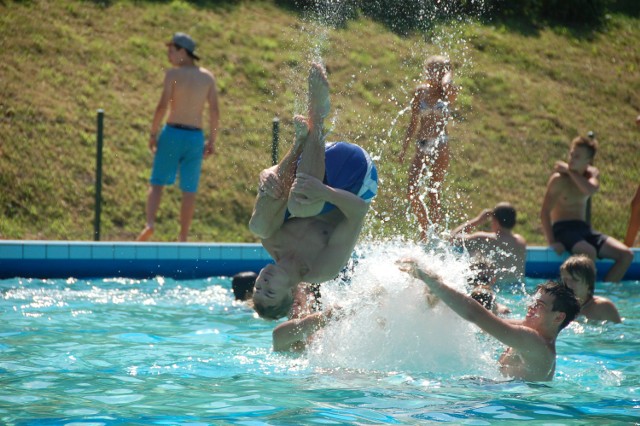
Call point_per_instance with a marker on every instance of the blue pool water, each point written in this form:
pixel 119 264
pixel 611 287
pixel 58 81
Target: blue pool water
pixel 160 351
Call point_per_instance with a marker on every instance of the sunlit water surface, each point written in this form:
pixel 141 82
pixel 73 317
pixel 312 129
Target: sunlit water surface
pixel 159 351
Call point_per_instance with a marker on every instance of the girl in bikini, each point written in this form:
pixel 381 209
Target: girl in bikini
pixel 430 109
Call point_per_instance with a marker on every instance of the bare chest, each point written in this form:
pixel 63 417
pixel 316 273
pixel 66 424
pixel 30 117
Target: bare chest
pixel 306 237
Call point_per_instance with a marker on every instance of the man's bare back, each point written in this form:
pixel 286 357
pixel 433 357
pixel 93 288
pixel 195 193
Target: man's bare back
pixel 506 249
pixel 508 253
pixel 191 86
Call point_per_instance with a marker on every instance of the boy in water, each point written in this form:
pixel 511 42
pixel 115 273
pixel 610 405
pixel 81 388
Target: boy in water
pixel 531 352
pixel 510 248
pixel 564 210
pixel 305 319
pixel 310 207
pixel 579 274
pixel 482 281
pixel 180 144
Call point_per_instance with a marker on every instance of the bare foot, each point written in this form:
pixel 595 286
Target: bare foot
pixel 319 104
pixel 146 233
pixel 301 126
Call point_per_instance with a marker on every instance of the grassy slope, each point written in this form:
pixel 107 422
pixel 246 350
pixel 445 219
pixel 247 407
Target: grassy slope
pixel 525 95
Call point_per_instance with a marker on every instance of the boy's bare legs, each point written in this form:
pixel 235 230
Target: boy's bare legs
pixel 275 184
pixel 438 173
pixel 153 203
pixel 413 193
pixel 312 161
pixel 186 214
pixel 621 255
pixel 634 220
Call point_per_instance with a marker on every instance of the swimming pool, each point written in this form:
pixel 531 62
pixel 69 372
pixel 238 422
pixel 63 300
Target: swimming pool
pixel 162 351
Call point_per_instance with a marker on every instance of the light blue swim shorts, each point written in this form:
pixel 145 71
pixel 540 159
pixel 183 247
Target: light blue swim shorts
pixel 178 149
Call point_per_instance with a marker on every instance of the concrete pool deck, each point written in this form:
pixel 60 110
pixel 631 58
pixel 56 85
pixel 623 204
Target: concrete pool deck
pixel 88 259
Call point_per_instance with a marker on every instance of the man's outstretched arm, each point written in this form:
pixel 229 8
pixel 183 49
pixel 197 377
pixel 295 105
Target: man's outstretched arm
pixel 508 332
pixel 289 334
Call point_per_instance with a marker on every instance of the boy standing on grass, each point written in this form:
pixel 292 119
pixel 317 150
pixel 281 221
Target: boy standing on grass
pixel 180 144
pixel 564 210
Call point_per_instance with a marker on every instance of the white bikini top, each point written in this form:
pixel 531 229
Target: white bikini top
pixel 440 107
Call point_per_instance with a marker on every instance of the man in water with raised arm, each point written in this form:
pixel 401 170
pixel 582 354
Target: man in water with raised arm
pixel 531 352
pixel 507 250
pixel 180 144
pixel 310 207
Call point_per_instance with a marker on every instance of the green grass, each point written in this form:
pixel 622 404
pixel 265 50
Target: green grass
pixel 525 95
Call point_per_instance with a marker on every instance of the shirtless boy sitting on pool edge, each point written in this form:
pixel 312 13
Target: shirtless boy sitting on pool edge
pixel 564 210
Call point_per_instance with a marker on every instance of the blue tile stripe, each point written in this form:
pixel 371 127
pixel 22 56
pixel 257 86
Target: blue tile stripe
pixel 53 259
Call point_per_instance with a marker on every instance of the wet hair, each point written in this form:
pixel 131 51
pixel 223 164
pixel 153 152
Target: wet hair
pixel 564 300
pixel 242 285
pixel 505 214
pixel 581 266
pixel 483 271
pixel 590 143
pixel 275 312
pixel 484 296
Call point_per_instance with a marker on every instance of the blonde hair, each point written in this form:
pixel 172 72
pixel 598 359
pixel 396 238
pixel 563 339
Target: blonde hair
pixel 437 60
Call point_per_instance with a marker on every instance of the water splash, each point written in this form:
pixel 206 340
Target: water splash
pixel 387 324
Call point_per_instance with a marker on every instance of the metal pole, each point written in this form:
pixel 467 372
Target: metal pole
pixel 98 201
pixel 274 143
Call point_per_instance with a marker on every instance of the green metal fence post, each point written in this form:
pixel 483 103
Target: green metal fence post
pixel 274 143
pixel 98 200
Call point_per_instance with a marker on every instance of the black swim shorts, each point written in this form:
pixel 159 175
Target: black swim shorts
pixel 570 232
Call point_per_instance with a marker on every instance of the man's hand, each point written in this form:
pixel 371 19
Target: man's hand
pixel 407 265
pixel 411 266
pixel 153 144
pixel 270 185
pixel 486 215
pixel 561 167
pixel 307 189
pixel 209 149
